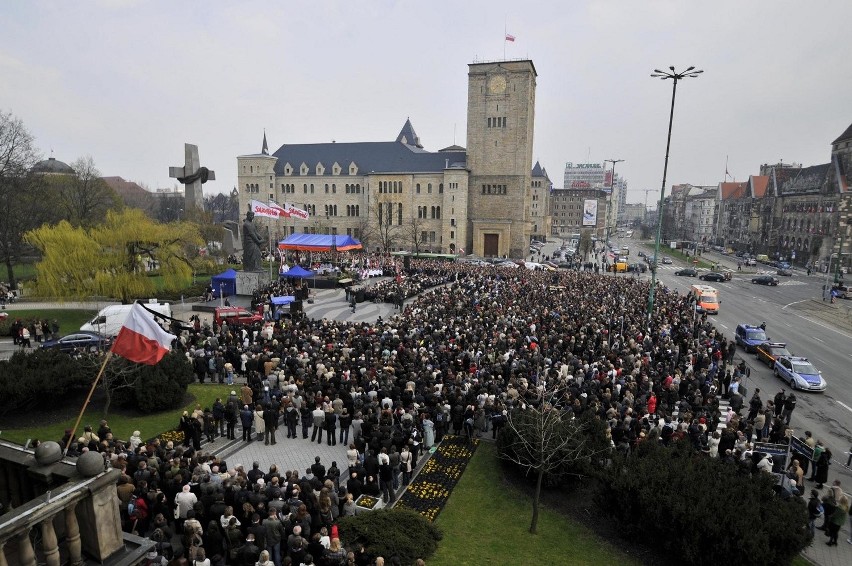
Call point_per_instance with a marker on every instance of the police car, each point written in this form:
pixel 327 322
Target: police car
pixel 750 337
pixel 799 373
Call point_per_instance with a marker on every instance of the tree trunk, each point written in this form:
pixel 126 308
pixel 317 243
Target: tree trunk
pixel 108 394
pixel 536 497
pixel 10 271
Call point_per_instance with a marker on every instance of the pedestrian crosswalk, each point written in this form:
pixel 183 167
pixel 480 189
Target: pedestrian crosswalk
pixel 723 410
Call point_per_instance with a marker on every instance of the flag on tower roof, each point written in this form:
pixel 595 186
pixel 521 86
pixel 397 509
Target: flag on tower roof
pixel 510 37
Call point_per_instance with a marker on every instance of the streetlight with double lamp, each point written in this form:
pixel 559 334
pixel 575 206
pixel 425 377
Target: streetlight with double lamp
pixel 691 72
pixel 611 193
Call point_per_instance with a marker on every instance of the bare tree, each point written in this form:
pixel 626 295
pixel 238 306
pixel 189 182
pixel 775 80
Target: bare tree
pixel 169 207
pixel 21 203
pixel 223 207
pixel 119 374
pixel 86 197
pixel 414 234
pixel 384 225
pixel 543 439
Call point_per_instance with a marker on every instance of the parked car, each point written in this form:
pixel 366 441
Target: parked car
pixel 667 260
pixel 784 271
pixel 750 261
pixel 799 373
pixel 749 336
pixel 79 341
pixel 840 291
pixel 715 276
pixel 687 271
pixel 235 315
pixel 768 352
pixel 640 267
pixel 765 280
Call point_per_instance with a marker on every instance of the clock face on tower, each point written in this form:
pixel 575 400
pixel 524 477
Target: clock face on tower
pixel 497 84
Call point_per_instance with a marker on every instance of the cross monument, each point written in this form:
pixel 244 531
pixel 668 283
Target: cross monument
pixel 192 176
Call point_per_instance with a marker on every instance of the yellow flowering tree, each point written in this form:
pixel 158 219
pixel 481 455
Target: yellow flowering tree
pixel 109 259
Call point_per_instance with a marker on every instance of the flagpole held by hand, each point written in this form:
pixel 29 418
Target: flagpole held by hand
pixel 86 402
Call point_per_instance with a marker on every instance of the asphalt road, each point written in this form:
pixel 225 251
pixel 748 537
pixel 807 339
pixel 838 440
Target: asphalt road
pixel 828 415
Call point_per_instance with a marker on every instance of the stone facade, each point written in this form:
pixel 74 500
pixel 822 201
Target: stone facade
pixel 566 210
pixel 500 120
pixel 398 196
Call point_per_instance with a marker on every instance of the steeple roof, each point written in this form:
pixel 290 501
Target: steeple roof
pixel 847 135
pixel 408 136
pixel 265 149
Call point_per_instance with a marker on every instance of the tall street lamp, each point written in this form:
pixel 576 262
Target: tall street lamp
pixel 691 72
pixel 611 192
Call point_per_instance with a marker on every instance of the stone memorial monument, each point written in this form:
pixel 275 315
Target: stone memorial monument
pixel 192 175
pixel 252 276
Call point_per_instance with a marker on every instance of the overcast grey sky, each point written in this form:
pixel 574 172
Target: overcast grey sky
pixel 128 82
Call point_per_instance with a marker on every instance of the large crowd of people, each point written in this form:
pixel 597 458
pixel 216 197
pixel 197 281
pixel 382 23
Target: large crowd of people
pixel 473 344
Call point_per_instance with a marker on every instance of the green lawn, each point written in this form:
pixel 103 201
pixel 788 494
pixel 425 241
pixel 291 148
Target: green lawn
pixel 487 522
pixel 123 427
pixel 69 319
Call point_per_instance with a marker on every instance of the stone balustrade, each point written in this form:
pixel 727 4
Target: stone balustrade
pixel 63 523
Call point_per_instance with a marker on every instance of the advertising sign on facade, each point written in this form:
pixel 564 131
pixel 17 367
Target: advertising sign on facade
pixel 590 212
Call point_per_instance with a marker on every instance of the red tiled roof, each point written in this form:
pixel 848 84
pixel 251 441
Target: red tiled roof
pixel 758 185
pixel 124 188
pixel 732 190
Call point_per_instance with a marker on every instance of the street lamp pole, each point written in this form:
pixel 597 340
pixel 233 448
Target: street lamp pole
pixel 691 72
pixel 611 193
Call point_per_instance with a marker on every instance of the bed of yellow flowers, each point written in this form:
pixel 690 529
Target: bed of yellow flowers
pixel 429 491
pixel 366 501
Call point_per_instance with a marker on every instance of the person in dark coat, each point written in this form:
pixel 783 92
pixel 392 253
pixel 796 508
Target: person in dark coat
pixel 270 420
pixel 330 427
pixel 246 418
pixel 821 465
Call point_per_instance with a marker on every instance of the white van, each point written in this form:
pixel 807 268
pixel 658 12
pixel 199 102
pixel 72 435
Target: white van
pixel 110 319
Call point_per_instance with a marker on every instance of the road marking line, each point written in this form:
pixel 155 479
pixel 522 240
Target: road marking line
pixel 825 326
pixel 817 339
pixel 794 303
pixel 844 405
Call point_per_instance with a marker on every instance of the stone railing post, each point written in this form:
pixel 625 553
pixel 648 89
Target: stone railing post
pixel 26 553
pixel 49 543
pixel 72 536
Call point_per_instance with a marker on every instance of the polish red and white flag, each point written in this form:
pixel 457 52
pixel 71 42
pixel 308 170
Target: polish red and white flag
pixel 141 339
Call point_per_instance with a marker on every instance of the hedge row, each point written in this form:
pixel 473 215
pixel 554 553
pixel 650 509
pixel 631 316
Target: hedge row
pixel 699 510
pixel 44 378
pixel 389 533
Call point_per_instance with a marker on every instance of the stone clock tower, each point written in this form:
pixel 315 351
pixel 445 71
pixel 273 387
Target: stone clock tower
pixel 500 117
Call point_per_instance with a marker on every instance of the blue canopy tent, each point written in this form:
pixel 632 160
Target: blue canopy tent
pixel 226 282
pixel 278 304
pixel 298 272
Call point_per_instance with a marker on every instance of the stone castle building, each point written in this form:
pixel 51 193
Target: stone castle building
pixel 486 199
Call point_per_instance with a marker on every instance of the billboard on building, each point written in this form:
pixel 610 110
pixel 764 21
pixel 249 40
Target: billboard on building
pixel 590 212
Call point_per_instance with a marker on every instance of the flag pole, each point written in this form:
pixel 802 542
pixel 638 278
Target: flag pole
pixel 86 403
pixel 504 40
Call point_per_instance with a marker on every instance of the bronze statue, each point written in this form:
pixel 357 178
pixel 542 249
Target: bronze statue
pixel 251 244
